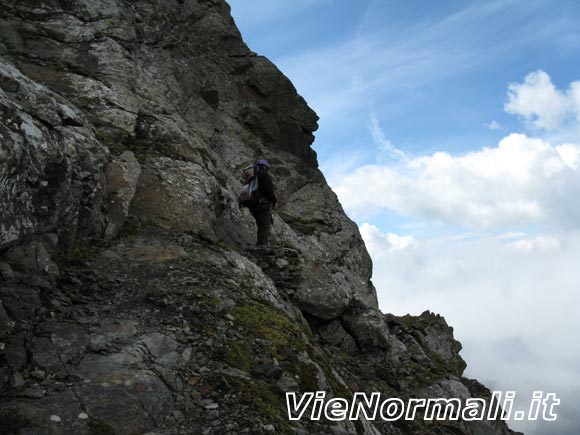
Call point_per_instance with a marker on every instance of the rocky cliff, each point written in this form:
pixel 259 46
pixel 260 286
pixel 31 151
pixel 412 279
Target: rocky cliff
pixel 131 299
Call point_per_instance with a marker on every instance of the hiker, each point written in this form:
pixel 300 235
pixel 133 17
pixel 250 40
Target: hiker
pixel 260 198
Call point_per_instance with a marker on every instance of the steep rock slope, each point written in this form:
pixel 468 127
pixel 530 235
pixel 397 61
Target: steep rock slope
pixel 130 297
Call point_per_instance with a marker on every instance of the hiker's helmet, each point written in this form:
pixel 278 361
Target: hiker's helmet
pixel 263 162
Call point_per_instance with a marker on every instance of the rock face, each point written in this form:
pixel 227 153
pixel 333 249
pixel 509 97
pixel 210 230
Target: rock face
pixel 130 297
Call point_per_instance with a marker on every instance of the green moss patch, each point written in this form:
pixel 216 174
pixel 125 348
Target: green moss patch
pixel 267 323
pixel 239 355
pixel 307 373
pixel 12 421
pixel 78 255
pixel 265 400
pixel 97 427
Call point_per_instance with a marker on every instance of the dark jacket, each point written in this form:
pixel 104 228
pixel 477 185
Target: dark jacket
pixel 265 192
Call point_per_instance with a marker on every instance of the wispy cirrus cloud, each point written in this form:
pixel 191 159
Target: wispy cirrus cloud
pixel 257 14
pixel 386 150
pixel 376 61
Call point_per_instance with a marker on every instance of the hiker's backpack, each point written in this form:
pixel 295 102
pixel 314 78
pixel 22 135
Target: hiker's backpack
pixel 250 189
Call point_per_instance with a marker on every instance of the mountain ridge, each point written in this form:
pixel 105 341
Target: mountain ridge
pixel 131 298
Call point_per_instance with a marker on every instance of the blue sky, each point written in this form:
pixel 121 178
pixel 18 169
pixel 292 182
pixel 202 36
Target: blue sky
pixel 450 131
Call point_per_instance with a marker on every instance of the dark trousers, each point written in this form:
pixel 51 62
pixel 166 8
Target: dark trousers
pixel 263 215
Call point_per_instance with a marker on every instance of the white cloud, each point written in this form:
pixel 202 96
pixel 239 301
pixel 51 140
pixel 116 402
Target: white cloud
pixel 338 164
pixel 541 103
pixel 522 180
pixel 514 310
pixel 380 243
pixel 574 95
pixel 570 154
pixel 542 243
pixel 494 125
pixel 512 235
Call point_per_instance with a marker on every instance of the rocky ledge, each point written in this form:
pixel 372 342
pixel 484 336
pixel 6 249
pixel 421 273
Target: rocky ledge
pixel 131 300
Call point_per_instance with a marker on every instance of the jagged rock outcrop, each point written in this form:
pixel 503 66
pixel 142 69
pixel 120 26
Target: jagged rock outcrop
pixel 131 299
pixel 174 83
